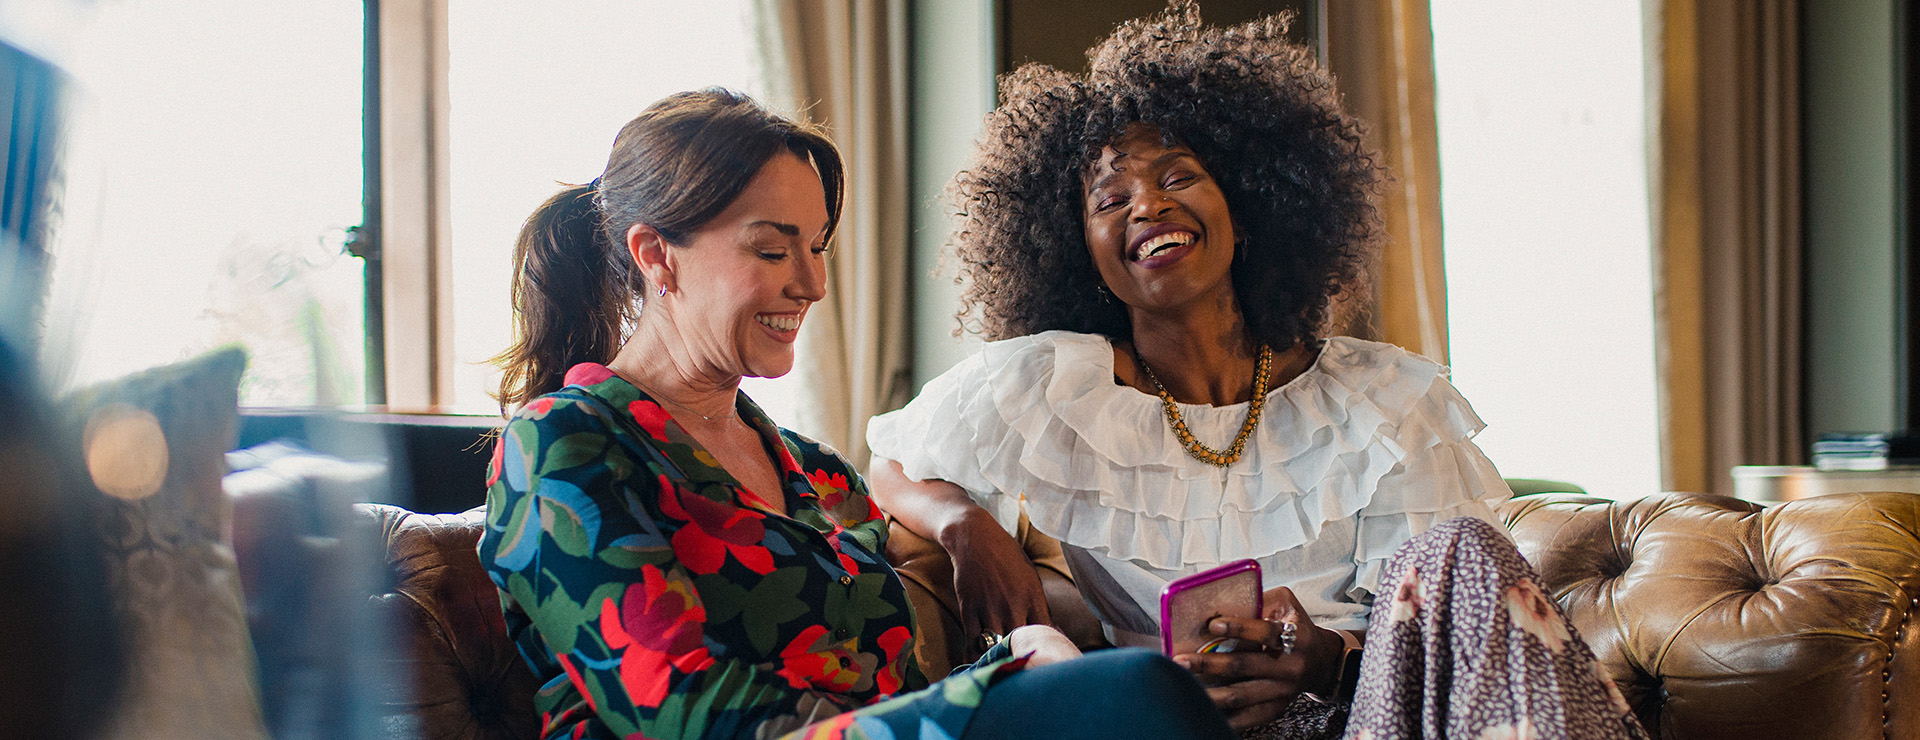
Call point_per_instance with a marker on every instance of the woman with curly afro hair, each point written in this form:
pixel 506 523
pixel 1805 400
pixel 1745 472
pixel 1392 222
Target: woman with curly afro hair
pixel 1155 250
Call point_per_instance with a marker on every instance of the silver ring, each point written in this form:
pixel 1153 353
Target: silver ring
pixel 1287 637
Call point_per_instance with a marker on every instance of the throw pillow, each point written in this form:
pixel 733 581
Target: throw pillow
pixel 153 448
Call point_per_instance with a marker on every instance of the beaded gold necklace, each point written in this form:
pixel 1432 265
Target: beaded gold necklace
pixel 1199 451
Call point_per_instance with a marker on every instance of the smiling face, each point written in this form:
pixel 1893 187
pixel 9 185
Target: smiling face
pixel 743 282
pixel 1156 223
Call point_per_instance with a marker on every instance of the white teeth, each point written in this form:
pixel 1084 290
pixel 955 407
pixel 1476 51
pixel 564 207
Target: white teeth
pixel 1148 247
pixel 779 323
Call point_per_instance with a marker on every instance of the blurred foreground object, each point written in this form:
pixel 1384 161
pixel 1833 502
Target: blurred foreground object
pixel 32 96
pixel 311 567
pixel 170 566
pixel 61 660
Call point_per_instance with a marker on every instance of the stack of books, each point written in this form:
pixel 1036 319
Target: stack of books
pixel 1866 451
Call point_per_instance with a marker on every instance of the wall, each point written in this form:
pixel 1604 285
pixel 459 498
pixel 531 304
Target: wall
pixel 953 59
pixel 1854 348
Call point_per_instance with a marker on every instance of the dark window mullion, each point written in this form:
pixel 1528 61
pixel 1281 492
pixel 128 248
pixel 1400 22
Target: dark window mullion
pixel 370 229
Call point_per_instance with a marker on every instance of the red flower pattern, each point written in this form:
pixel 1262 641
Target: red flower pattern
pixel 891 642
pixel 654 633
pixel 573 675
pixel 814 660
pixel 588 373
pixel 833 491
pixel 659 623
pixel 830 487
pixel 713 531
pixel 651 418
pixel 499 460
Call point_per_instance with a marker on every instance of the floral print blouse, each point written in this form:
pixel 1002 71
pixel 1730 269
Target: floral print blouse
pixel 656 597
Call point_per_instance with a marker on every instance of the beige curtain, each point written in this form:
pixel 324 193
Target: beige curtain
pixel 1381 52
pixel 1726 199
pixel 843 63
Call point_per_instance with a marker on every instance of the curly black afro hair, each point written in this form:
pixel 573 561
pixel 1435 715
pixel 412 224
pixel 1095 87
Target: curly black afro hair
pixel 1257 109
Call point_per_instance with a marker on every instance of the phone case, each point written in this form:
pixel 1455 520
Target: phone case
pixel 1187 604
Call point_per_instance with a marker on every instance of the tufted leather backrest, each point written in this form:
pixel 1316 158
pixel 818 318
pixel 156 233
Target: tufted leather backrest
pixel 1723 619
pixel 469 683
pixel 1718 618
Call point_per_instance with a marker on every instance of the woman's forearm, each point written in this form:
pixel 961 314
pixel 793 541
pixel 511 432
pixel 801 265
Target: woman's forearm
pixel 997 587
pixel 934 509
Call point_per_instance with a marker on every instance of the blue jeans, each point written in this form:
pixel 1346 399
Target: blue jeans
pixel 1106 695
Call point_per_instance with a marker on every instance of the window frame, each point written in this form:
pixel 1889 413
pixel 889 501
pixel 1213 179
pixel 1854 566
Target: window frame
pixel 410 352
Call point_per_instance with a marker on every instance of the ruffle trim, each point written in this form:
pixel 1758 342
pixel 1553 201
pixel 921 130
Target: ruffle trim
pixel 1039 419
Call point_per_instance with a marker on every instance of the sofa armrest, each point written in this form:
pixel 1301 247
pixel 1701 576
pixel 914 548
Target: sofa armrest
pixel 1719 618
pixel 468 680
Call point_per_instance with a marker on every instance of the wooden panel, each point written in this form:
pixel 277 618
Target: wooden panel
pixel 416 254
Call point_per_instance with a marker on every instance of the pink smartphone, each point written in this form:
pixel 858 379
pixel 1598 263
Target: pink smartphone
pixel 1187 604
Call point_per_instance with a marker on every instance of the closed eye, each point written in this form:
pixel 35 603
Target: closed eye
pixel 1109 203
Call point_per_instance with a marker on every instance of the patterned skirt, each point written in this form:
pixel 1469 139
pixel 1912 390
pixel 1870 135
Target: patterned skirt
pixel 1468 646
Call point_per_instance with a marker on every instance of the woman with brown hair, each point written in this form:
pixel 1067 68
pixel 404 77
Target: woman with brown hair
pixel 671 563
pixel 1154 249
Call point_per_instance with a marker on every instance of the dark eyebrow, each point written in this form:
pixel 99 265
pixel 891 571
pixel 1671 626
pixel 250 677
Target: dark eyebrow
pixel 788 229
pixel 1160 160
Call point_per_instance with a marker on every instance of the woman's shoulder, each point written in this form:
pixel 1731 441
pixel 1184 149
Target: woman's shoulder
pixel 564 411
pixel 1004 377
pixel 1033 357
pixel 568 410
pixel 1386 377
pixel 1344 353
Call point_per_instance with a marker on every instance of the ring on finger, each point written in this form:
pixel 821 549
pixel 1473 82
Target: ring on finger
pixel 1288 634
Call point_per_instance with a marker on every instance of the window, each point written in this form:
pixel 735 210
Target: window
pixel 217 168
pixel 1549 274
pixel 214 168
pixel 537 93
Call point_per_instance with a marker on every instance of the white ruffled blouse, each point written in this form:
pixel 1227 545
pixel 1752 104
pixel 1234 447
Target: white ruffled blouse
pixel 1367 448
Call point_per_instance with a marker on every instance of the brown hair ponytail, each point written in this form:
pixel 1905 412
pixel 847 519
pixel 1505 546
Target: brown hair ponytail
pixel 576 291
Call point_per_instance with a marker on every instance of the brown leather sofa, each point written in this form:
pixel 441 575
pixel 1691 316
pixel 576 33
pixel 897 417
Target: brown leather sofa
pixel 1718 618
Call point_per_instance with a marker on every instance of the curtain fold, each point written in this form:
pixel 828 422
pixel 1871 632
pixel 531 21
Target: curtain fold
pixel 1728 239
pixel 842 63
pixel 1381 51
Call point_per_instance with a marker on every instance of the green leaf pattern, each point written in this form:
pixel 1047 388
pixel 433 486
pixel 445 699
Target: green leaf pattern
pixel 653 601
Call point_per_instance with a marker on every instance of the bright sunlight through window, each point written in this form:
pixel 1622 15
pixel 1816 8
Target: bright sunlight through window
pixel 1543 153
pixel 214 166
pixel 538 91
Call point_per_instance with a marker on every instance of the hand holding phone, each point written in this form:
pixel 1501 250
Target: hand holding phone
pixel 1188 604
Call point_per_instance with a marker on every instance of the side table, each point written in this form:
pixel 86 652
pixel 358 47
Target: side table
pixel 1775 483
